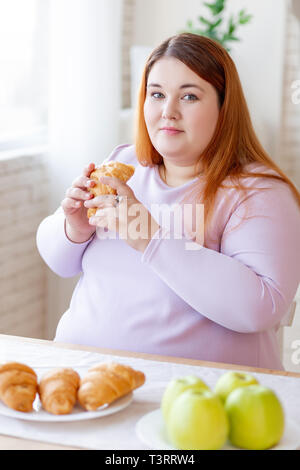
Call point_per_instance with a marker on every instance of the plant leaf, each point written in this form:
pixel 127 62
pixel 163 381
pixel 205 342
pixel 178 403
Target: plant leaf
pixel 212 28
pixel 233 38
pixel 245 19
pixel 205 21
pixel 216 7
pixel 218 22
pixel 231 25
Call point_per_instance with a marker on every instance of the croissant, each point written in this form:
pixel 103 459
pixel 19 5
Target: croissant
pixel 58 390
pixel 116 169
pixel 18 386
pixel 106 382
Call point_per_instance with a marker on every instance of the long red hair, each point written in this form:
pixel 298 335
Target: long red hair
pixel 234 143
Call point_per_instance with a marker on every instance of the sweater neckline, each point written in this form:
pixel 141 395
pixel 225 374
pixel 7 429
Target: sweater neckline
pixel 170 188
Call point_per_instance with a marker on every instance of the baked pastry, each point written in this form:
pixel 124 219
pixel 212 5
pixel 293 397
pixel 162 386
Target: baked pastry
pixel 106 382
pixel 115 169
pixel 58 390
pixel 18 386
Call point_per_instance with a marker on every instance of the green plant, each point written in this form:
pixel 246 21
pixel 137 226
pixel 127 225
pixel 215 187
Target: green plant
pixel 212 27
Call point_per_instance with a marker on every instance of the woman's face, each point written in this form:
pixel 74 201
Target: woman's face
pixel 178 98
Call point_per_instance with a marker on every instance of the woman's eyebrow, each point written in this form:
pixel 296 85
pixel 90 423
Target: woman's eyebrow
pixel 186 85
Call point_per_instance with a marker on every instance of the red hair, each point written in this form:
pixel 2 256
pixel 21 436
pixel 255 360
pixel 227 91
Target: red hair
pixel 234 143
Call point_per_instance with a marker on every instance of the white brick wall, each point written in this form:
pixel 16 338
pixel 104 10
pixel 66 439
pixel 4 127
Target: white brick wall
pixel 290 158
pixel 23 204
pixel 290 137
pixel 127 38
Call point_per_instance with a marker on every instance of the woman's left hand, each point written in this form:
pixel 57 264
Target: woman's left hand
pixel 124 214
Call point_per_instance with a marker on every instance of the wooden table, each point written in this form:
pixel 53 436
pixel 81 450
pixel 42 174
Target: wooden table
pixel 7 442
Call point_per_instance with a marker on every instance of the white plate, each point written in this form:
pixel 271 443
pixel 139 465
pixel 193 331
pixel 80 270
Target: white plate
pixel 78 413
pixel 151 431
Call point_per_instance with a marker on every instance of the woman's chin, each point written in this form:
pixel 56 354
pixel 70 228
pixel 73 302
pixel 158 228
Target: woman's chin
pixel 171 150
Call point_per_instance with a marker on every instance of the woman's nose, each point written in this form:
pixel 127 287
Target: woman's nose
pixel 170 111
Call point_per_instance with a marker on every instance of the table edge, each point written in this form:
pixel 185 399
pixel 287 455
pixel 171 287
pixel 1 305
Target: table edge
pixel 151 357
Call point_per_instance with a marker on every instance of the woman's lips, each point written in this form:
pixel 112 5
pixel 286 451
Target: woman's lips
pixel 171 131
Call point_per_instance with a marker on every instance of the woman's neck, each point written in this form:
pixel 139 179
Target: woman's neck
pixel 174 175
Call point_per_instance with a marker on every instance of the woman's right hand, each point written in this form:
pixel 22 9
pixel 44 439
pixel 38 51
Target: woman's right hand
pixel 77 226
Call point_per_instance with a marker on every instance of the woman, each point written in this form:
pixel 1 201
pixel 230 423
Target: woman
pixel 217 292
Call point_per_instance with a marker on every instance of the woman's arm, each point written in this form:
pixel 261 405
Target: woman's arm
pixel 61 254
pixel 249 285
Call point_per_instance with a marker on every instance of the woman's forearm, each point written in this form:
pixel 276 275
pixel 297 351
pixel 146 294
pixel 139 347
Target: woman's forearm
pixel 248 285
pixel 75 236
pixel 217 286
pixel 61 254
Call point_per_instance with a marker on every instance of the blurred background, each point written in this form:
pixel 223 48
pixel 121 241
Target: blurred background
pixel 69 75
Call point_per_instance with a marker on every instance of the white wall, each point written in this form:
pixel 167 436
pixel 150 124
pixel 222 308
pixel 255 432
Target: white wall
pixel 84 104
pixel 84 86
pixel 157 20
pixel 23 204
pixel 290 135
pixel 259 56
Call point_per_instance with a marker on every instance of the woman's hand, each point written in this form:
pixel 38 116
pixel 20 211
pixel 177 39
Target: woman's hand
pixel 78 228
pixel 128 217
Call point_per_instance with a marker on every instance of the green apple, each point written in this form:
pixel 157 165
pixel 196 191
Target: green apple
pixel 256 417
pixel 197 421
pixel 177 386
pixel 232 380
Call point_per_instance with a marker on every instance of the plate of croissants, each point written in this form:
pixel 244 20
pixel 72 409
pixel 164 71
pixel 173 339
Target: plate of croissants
pixel 61 394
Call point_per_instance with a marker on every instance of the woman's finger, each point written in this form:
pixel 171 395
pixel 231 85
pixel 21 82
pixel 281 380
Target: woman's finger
pixel 100 220
pixel 122 188
pixel 69 203
pixel 83 182
pixel 106 212
pixel 88 169
pixel 77 193
pixel 106 217
pixel 104 200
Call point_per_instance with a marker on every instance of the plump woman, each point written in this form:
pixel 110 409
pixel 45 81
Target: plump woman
pixel 215 291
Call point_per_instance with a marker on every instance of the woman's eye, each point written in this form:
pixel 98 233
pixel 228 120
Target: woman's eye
pixel 187 97
pixel 155 95
pixel 190 97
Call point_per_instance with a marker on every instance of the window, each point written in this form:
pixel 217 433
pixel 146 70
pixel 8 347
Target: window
pixel 23 72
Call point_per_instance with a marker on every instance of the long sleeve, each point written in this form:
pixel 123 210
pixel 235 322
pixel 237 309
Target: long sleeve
pixel 60 254
pixel 247 286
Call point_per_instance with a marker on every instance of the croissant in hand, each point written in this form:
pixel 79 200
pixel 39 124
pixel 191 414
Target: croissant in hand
pixel 106 382
pixel 58 390
pixel 18 386
pixel 115 169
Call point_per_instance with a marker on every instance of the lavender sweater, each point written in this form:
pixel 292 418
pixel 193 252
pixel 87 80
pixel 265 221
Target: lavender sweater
pixel 222 302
